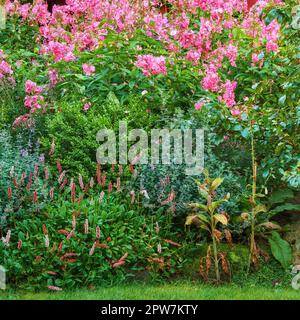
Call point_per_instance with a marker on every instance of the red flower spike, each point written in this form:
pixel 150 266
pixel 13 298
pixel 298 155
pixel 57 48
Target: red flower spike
pixel 9 193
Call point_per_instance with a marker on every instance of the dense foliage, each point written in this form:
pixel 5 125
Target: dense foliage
pixel 67 221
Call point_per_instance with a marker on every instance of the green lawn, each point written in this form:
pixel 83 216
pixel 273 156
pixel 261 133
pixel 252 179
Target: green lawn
pixel 179 291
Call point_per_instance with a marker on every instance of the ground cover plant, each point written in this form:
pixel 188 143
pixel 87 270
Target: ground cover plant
pixel 68 221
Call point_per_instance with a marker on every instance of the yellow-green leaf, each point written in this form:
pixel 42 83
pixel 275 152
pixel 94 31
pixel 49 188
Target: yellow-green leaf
pixel 190 219
pixel 260 208
pixel 198 206
pixel 221 218
pixel 216 183
pixel 203 218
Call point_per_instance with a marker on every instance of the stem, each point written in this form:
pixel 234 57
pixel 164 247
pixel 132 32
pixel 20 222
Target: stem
pixel 216 258
pixel 253 201
pixel 215 248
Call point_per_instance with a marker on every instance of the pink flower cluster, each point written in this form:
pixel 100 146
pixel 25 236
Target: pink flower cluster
pixel 60 51
pixel 32 87
pixel 6 71
pixel 24 119
pixel 82 25
pixel 53 77
pixel 229 97
pixel 151 65
pixel 33 100
pixel 88 69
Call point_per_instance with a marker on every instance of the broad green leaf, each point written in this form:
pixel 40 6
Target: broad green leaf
pixel 245 133
pixel 285 207
pixel 281 250
pixel 280 196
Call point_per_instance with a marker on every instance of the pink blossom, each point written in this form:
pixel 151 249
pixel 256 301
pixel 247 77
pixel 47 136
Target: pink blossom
pixel 86 106
pixel 53 76
pixel 5 68
pixel 23 119
pixel 92 182
pixel 60 51
pixel 88 69
pixel 33 102
pixel 199 105
pixel 74 222
pixel 211 81
pixel 231 53
pixel 132 194
pixel 32 87
pixel 255 58
pixel 24 10
pixel 229 95
pixel 235 112
pixel 272 46
pixel 151 65
pixel 193 56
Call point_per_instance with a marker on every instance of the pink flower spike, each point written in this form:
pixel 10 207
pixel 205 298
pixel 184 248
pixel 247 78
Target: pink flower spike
pixel 53 288
pixel 98 232
pixel 20 243
pixel 46 241
pixel 86 226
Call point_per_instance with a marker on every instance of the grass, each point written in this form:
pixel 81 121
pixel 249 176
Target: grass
pixel 175 291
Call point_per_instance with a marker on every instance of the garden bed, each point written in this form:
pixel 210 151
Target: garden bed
pixel 149 140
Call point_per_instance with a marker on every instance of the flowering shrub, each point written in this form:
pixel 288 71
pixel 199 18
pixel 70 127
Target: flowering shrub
pixel 179 34
pixel 6 71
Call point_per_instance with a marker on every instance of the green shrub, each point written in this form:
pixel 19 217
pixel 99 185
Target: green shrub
pixel 73 131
